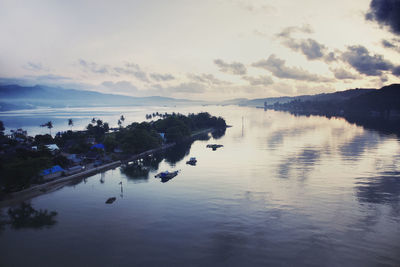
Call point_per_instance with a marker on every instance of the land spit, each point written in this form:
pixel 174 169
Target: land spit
pixel 36 190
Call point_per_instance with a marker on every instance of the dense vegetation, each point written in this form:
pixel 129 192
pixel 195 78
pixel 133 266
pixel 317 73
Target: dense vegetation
pixel 20 165
pixel 371 108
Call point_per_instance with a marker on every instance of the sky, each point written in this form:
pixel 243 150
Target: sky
pixel 205 50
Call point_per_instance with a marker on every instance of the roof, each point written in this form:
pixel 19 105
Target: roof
pixel 101 146
pixel 53 169
pixel 52 147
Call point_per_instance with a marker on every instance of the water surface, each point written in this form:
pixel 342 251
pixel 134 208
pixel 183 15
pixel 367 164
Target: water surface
pixel 284 190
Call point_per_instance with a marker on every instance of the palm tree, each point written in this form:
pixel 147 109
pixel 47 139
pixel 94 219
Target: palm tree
pixel 70 123
pixel 121 119
pixel 48 124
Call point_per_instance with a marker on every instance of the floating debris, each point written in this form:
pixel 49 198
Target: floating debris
pixel 110 200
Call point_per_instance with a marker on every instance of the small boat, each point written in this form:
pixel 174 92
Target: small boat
pixel 192 161
pixel 167 174
pixel 214 146
pixel 110 200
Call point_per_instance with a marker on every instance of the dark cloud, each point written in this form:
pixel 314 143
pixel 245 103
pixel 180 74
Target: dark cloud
pixel 386 13
pixel 236 68
pixel 359 58
pixel 342 74
pixel 392 44
pixel 387 44
pixel 278 68
pixel 162 77
pixel 396 71
pixel 308 47
pixel 208 79
pixel 260 80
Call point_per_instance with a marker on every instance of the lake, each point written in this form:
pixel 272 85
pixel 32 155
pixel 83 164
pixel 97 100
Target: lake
pixel 283 190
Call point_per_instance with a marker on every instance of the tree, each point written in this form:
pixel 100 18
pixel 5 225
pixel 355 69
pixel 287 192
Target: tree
pixel 48 124
pixel 1 128
pixel 119 123
pixel 122 118
pixel 70 123
pixel 93 120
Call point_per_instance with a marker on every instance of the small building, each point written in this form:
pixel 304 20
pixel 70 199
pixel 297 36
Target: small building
pixel 74 158
pixel 53 172
pixel 117 150
pixel 98 146
pixel 53 148
pixel 91 140
pixel 92 155
pixel 75 169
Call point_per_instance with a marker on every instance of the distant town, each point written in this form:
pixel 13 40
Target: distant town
pixel 27 160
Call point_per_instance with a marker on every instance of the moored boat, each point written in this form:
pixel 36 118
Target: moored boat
pixel 214 146
pixel 167 174
pixel 192 161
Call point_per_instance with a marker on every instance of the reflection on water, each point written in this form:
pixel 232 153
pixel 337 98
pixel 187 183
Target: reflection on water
pixel 25 216
pixel 218 134
pixel 382 189
pixel 284 191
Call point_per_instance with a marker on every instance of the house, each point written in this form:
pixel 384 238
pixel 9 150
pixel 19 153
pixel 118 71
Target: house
pixel 117 150
pixel 98 146
pixel 53 148
pixel 162 136
pixel 53 172
pixel 74 158
pixel 75 169
pixel 91 140
pixel 92 155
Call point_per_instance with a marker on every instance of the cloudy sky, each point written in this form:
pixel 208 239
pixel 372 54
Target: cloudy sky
pixel 211 50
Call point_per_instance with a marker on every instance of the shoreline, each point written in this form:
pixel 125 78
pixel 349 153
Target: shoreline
pixel 51 186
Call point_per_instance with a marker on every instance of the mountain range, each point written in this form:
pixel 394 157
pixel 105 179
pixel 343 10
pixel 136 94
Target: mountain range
pixel 13 97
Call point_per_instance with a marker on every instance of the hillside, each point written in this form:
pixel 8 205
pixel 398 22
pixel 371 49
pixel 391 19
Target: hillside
pixel 20 97
pixel 336 96
pixel 375 109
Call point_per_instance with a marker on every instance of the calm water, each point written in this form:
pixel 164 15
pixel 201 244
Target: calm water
pixel 283 191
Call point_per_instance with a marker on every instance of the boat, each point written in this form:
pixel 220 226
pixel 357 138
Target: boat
pixel 192 161
pixel 167 174
pixel 110 200
pixel 214 146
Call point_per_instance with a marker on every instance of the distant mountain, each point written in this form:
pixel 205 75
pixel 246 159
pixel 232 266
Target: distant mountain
pixel 370 108
pixel 20 97
pixel 367 103
pixel 336 96
pixel 385 99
